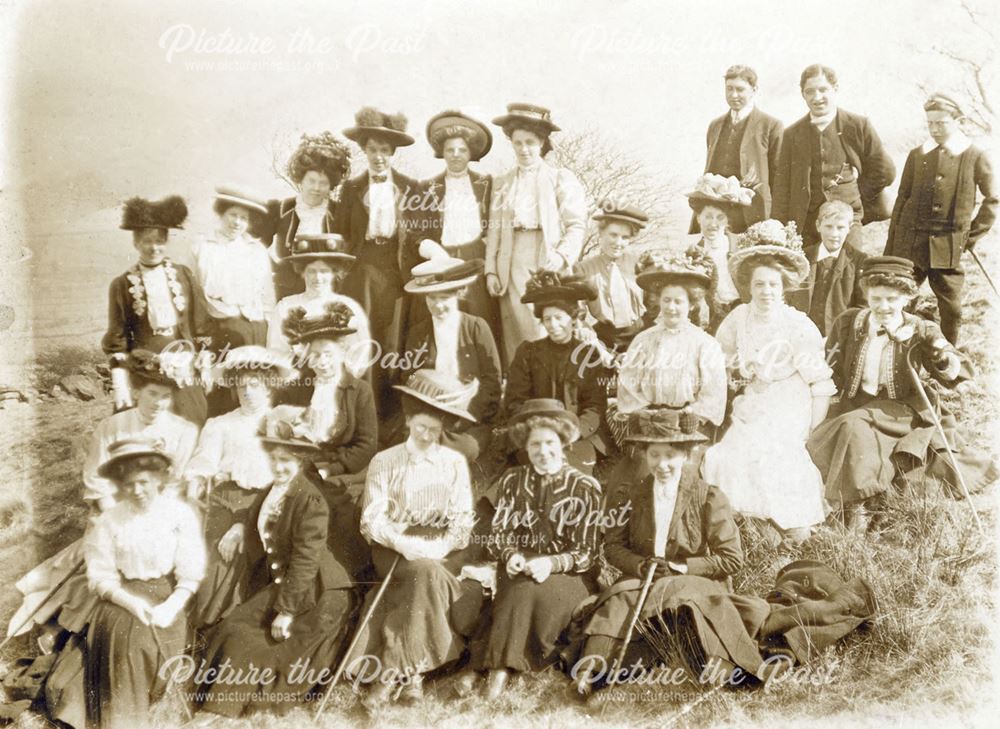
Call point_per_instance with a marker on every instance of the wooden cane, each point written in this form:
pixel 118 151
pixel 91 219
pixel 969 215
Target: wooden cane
pixel 989 279
pixel 947 446
pixel 357 636
pixel 648 583
pixel 49 596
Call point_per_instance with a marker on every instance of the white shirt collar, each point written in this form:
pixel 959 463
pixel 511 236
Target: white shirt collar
pixel 431 454
pixel 388 177
pixel 737 116
pixel 955 145
pixel 301 204
pixel 823 252
pixel 822 122
pixel 874 326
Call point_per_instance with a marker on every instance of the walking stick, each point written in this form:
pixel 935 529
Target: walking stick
pixel 357 636
pixel 947 446
pixel 647 583
pixel 989 280
pixel 49 596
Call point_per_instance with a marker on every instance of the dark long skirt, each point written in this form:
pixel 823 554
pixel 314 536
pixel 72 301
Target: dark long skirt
pixel 529 619
pixel 296 665
pixel 224 585
pixel 424 617
pixel 859 452
pixel 112 676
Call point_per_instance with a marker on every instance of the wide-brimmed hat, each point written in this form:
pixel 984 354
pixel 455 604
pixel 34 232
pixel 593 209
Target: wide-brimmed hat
pixel 333 323
pixel 254 358
pixel 534 115
pixel 441 272
pixel 770 239
pixel 546 407
pixel 369 122
pixel 309 247
pixel 277 431
pixel 450 124
pixel 547 287
pixel 611 212
pixel 443 392
pixel 139 213
pixel 725 193
pixel 658 268
pixel 149 367
pixel 243 197
pixel 128 449
pixel 663 425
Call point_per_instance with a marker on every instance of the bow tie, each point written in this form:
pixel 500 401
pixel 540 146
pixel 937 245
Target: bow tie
pixel 378 178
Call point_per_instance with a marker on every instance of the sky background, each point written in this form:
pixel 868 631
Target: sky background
pixel 103 100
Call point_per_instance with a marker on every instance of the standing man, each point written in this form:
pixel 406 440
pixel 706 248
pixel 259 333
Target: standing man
pixel 829 154
pixel 932 220
pixel 744 143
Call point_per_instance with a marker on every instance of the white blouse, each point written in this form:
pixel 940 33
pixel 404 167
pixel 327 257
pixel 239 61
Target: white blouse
pixel 718 251
pixel 446 343
pixel 461 223
pixel 311 217
pixel 235 275
pixel 381 208
pixel 526 197
pixel 664 503
pixel 126 543
pixel 229 444
pixel 159 299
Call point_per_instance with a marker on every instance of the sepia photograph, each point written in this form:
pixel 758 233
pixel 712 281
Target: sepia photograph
pixel 497 364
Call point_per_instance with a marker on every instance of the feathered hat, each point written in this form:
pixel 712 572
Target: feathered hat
pixel 148 367
pixel 440 272
pixel 725 193
pixel 139 213
pixel 322 152
pixel 658 268
pixel 369 122
pixel 663 425
pixel 770 239
pixel 549 287
pixel 442 392
pixel 333 323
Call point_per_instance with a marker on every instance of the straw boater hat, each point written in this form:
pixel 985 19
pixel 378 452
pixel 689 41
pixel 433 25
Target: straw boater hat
pixel 333 323
pixel 369 122
pixel 552 287
pixel 658 268
pixel 547 407
pixel 234 195
pixel 254 358
pixel 139 214
pixel 319 247
pixel 275 431
pixel 613 213
pixel 450 124
pixel 725 193
pixel 537 116
pixel 770 239
pixel 440 272
pixel 442 392
pixel 148 367
pixel 663 425
pixel 128 449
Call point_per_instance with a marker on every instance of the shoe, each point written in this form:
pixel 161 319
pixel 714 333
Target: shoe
pixel 379 696
pixel 413 692
pixel 496 682
pixel 465 684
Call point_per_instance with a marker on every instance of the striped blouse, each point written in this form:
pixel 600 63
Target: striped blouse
pixel 419 494
pixel 557 515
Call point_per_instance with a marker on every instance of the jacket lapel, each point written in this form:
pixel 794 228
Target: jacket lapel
pixel 685 492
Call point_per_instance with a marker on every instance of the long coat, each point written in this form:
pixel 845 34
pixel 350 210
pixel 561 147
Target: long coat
pixel 864 151
pixel 278 231
pixel 431 218
pixel 844 290
pixel 929 236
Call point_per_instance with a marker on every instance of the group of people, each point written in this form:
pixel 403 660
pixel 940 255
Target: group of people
pixel 421 386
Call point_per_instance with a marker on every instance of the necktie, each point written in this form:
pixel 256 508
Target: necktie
pixel 379 178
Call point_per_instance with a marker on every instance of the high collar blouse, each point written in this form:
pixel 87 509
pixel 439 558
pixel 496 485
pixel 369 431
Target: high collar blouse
pixel 460 215
pixel 311 217
pixel 229 445
pixel 235 274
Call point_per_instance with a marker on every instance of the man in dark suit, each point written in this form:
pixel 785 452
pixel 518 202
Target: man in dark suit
pixel 744 143
pixel 829 154
pixel 932 222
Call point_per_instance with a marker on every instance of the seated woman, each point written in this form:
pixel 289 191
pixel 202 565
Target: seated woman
pixel 671 522
pixel 322 263
pixel 714 201
pixel 449 340
pixel 145 557
pixel 545 539
pixel 562 365
pixel 880 431
pixel 301 601
pixel 229 469
pixel 776 354
pixel 234 271
pixel 418 515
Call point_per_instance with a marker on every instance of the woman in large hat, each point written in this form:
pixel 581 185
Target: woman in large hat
pixel 154 303
pixel 145 558
pixel 418 508
pixel 228 470
pixel 545 539
pixel 234 271
pixel 776 359
pixel 880 433
pixel 292 628
pixel 316 168
pixel 714 200
pixel 562 364
pixel 452 341
pixel 537 218
pixel 669 521
pixel 323 262
pixel 456 204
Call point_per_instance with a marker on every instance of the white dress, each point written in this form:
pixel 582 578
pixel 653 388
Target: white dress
pixel 761 463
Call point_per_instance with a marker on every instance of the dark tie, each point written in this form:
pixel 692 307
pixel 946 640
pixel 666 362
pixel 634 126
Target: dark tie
pixel 379 178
